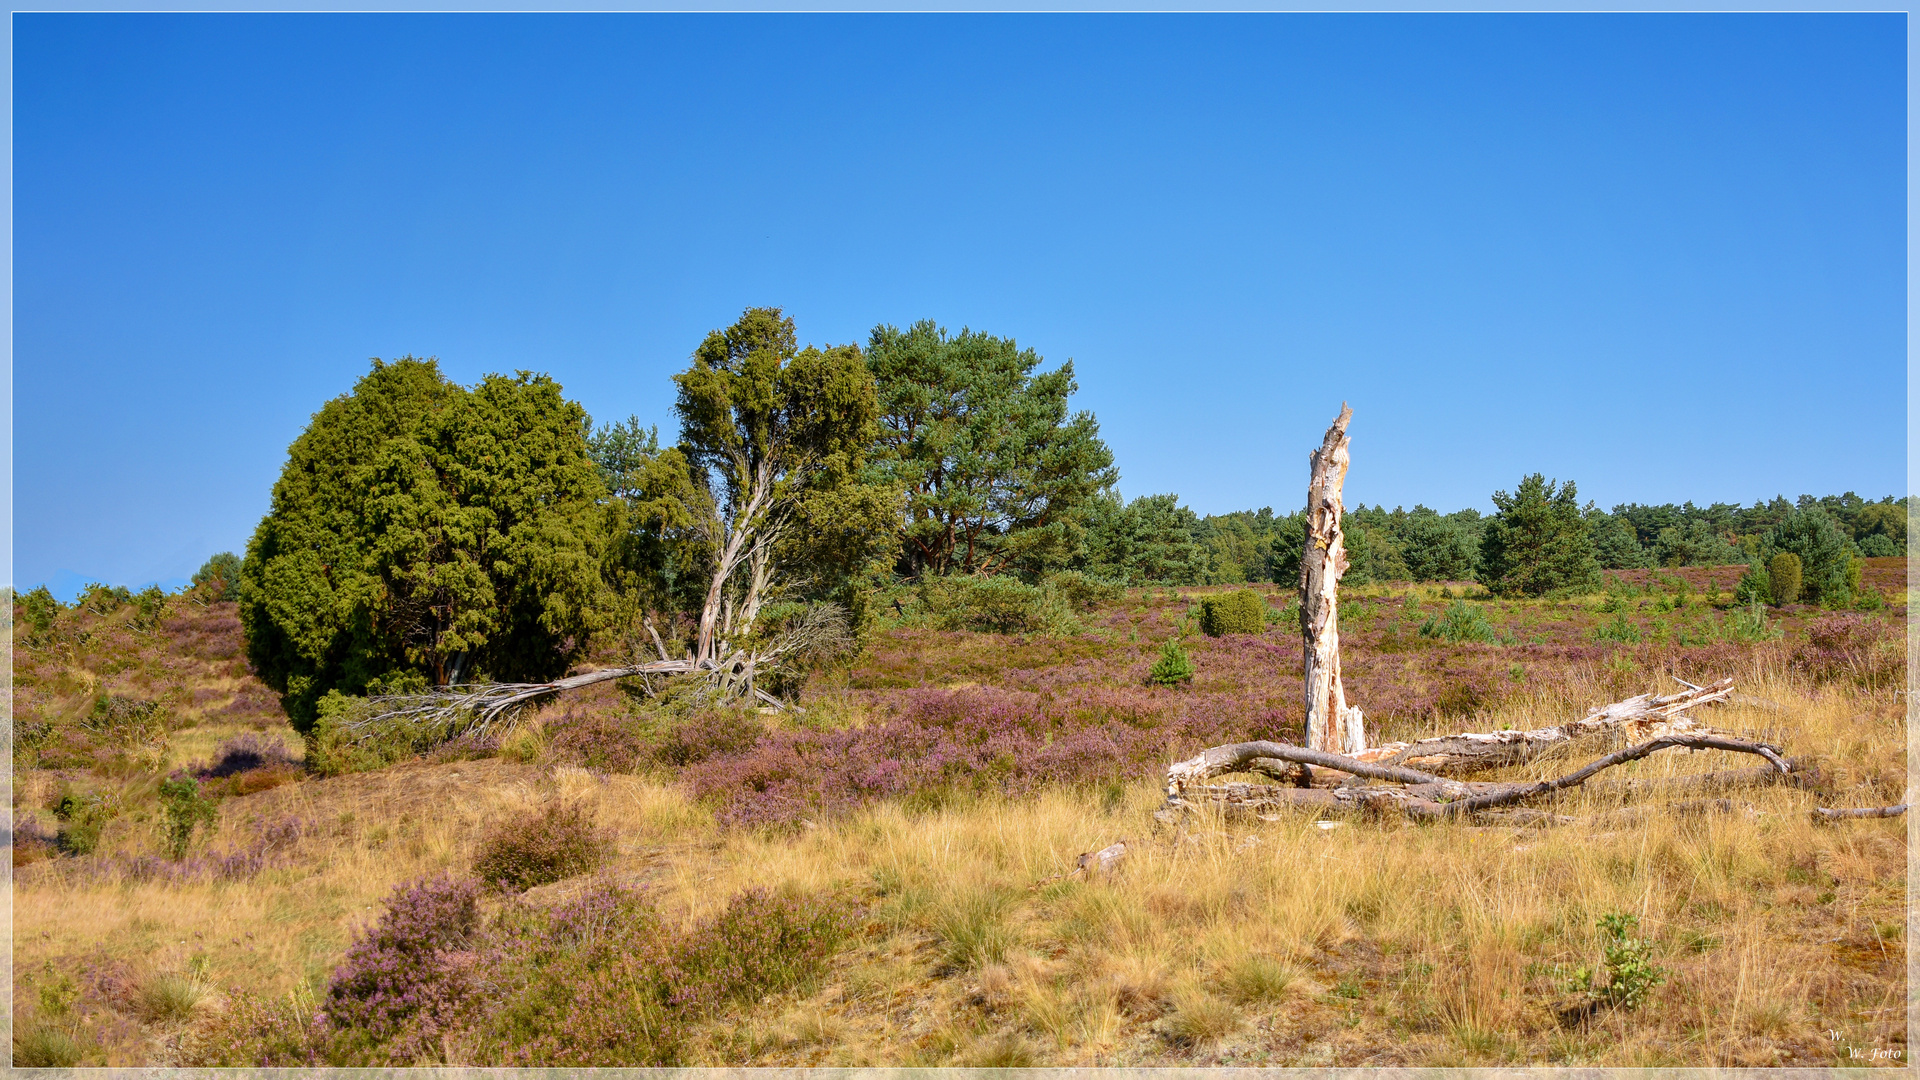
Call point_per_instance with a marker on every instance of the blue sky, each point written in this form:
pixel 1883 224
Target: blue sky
pixel 1660 255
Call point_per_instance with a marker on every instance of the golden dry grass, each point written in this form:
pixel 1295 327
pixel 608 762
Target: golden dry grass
pixel 1283 943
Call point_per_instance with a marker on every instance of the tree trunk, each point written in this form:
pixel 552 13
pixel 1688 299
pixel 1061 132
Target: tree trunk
pixel 1332 725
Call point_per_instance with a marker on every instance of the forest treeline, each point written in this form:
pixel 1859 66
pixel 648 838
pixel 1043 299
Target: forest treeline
pixel 426 533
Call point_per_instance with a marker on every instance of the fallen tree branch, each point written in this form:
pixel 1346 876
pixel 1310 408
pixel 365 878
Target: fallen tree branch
pixel 1635 718
pixel 1422 795
pixel 1826 814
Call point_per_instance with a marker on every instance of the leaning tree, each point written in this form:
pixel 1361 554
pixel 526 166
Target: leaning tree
pixel 767 498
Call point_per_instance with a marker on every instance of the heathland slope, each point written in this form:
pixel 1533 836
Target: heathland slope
pixel 877 879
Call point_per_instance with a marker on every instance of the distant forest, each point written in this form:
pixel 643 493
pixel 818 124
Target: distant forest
pixel 1154 539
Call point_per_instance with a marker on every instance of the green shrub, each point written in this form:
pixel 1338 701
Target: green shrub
pixel 185 810
pixel 1783 574
pixel 82 817
pixel 556 842
pixel 1879 546
pixel 997 605
pixel 104 599
pixel 1461 622
pixel 1630 975
pixel 1748 625
pixel 1174 666
pixel 1754 587
pixel 1242 611
pixel 1621 629
pixel 335 747
pixel 148 604
pixel 1082 592
pixel 1856 569
pixel 37 610
pixel 219 578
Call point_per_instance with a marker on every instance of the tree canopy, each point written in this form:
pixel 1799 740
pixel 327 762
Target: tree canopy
pixel 997 472
pixel 1537 542
pixel 423 532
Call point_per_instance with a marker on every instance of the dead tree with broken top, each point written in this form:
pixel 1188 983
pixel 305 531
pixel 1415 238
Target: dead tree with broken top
pixel 1332 725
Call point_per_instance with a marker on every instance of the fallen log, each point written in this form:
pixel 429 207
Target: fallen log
pixel 1831 814
pixel 1636 718
pixel 1421 795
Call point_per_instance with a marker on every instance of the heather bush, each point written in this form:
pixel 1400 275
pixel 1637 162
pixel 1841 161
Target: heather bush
pixel 1783 577
pixel 405 983
pixel 244 753
pixel 557 841
pixel 763 943
pixel 705 734
pixel 584 984
pixel 1242 611
pixel 602 740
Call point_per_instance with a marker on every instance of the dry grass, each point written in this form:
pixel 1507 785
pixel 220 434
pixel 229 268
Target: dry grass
pixel 1227 943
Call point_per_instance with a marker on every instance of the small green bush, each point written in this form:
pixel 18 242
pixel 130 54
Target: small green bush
pixel 1783 572
pixel 1754 587
pixel 1748 625
pixel 1242 611
pixel 556 842
pixel 37 610
pixel 1630 975
pixel 148 604
pixel 1082 592
pixel 1174 666
pixel 1621 629
pixel 82 817
pixel 219 578
pixel 185 810
pixel 996 605
pixel 1461 622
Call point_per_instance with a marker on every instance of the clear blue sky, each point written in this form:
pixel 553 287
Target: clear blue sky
pixel 1660 255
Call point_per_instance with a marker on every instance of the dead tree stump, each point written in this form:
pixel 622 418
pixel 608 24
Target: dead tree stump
pixel 1333 726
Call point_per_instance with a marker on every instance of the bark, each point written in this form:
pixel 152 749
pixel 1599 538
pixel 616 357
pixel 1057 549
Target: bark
pixel 1825 814
pixel 1422 795
pixel 1636 718
pixel 1332 725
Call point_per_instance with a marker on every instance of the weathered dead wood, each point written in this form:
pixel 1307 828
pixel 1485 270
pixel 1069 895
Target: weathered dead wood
pixel 1801 773
pixel 1829 814
pixel 1421 795
pixel 1332 725
pixel 1636 718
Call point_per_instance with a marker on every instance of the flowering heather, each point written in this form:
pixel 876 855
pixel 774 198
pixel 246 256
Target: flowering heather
pixel 594 981
pixel 555 842
pixel 405 983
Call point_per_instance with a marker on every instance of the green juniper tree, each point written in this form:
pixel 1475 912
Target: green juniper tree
pixel 425 533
